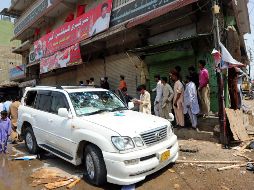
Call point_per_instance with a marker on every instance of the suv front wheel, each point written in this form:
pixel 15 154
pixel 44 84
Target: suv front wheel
pixel 30 141
pixel 95 169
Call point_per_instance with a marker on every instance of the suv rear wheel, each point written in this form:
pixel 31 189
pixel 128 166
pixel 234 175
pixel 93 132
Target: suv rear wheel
pixel 30 141
pixel 95 169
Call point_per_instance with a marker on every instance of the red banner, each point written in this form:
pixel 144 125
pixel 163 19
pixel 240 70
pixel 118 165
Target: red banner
pixel 67 57
pixel 88 24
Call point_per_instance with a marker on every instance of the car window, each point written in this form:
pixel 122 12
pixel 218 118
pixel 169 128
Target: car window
pixel 43 101
pixel 87 103
pixel 30 98
pixel 58 101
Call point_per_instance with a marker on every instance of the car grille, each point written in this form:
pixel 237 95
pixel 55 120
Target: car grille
pixel 155 135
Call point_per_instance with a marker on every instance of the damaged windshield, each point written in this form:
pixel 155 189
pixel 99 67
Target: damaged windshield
pixel 87 103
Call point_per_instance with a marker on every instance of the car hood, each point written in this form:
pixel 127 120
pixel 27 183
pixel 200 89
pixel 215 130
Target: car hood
pixel 127 123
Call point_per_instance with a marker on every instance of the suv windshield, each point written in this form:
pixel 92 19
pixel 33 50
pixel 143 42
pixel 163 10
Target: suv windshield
pixel 87 103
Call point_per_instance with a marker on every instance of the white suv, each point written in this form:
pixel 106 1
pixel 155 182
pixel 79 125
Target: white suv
pixel 94 126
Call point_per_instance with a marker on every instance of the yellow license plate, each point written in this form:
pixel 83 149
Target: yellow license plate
pixel 165 156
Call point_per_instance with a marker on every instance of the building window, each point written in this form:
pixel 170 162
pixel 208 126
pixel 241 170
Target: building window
pixel 120 3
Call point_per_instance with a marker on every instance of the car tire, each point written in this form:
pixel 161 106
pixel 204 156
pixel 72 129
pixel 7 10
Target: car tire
pixel 95 170
pixel 30 141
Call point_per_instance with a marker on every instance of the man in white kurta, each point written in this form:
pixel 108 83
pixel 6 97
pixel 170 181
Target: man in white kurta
pixel 167 97
pixel 158 98
pixel 145 100
pixel 191 105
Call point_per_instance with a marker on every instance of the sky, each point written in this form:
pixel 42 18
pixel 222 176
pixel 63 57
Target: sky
pixel 249 38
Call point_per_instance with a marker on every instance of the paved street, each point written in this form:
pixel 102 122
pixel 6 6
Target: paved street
pixel 15 174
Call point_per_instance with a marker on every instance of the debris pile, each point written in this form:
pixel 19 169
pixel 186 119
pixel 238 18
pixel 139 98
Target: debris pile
pixel 53 179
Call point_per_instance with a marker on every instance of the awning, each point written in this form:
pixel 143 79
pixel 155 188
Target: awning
pixel 152 47
pixel 9 84
pixel 27 83
pixel 23 47
pixel 33 63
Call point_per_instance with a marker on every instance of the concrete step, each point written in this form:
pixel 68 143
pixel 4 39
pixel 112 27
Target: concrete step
pixel 188 133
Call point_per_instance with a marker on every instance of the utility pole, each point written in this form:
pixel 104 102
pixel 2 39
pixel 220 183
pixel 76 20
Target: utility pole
pixel 220 82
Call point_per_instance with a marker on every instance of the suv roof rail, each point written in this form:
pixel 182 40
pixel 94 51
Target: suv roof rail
pixel 68 87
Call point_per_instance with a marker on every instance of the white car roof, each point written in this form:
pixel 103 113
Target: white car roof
pixel 69 89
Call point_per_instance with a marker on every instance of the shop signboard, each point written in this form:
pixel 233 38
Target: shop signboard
pixel 17 72
pixel 34 14
pixel 60 59
pixel 90 23
pixel 134 9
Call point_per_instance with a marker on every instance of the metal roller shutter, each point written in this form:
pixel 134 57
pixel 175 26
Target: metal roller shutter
pixel 121 64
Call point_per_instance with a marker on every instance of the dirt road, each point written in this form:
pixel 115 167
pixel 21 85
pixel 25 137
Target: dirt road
pixel 15 175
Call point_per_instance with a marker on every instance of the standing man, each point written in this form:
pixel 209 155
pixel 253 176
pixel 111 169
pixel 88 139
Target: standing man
pixel 122 83
pixel 145 100
pixel 158 98
pixel 14 117
pixel 240 76
pixel 203 89
pixel 167 97
pixel 104 83
pixel 6 105
pixel 5 131
pixel 91 81
pixel 178 98
pixel 194 76
pixel 191 101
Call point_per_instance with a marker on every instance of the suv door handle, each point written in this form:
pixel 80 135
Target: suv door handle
pixel 50 120
pixel 33 115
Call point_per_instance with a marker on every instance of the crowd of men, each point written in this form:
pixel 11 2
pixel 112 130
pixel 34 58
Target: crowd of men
pixel 191 96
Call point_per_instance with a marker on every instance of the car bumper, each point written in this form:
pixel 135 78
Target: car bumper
pixel 120 173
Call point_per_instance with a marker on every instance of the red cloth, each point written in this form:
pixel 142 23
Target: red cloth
pixel 81 9
pixel 69 18
pixel 37 31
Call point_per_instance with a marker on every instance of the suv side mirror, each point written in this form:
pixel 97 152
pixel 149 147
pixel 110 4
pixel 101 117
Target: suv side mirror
pixel 171 117
pixel 130 105
pixel 63 112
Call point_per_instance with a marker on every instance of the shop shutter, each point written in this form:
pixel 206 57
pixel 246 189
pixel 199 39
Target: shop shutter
pixel 94 69
pixel 122 64
pixel 115 65
pixel 66 78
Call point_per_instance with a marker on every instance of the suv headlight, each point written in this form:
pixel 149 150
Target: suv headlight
pixel 122 143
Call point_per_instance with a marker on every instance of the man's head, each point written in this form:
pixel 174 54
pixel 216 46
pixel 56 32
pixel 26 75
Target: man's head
pixel 81 82
pixel 121 77
pixel 191 69
pixel 174 74
pixel 164 80
pixel 4 114
pixel 92 79
pixel 141 89
pixel 104 9
pixel 106 78
pixel 157 78
pixel 202 64
pixel 178 69
pixel 187 79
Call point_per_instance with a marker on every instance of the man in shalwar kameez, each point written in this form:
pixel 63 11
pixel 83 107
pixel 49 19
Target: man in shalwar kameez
pixel 191 101
pixel 178 98
pixel 5 131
